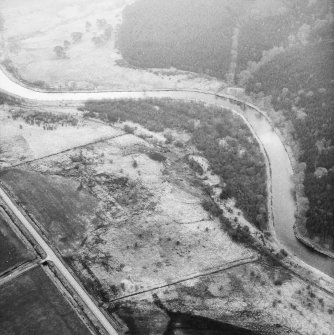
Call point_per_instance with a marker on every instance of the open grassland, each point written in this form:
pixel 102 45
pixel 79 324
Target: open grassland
pixel 124 221
pixel 71 45
pixel 31 304
pixel 29 133
pixel 13 251
pixel 64 213
pixel 257 296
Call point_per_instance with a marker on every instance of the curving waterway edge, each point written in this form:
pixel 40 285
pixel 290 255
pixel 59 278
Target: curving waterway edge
pixel 281 203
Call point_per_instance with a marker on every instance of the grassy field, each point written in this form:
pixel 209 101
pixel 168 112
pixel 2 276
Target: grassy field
pixel 30 133
pixel 63 211
pixel 13 251
pixel 33 29
pixel 265 299
pixel 127 213
pixel 32 305
pixel 114 212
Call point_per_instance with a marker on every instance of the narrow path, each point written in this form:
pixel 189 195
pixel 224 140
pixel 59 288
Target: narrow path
pixel 51 256
pixel 19 270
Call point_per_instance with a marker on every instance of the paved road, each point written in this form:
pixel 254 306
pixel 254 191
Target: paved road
pixel 51 256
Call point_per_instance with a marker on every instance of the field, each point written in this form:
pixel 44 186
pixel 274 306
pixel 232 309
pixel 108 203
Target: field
pixel 256 296
pixel 13 250
pixel 114 212
pixel 22 130
pixel 67 213
pixel 31 304
pixel 86 60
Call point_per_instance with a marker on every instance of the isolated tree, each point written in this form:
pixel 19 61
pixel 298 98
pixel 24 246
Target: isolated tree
pixel 108 32
pixel 76 37
pixel 60 52
pixel 98 41
pixel 1 22
pixel 67 44
pixel 88 26
pixel 101 23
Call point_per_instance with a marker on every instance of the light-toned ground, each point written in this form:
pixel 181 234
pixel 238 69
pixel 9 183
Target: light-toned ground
pixel 155 230
pixel 20 142
pixel 255 296
pixel 34 28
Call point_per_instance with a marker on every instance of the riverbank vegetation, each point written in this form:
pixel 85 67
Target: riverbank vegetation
pixel 300 85
pixel 223 138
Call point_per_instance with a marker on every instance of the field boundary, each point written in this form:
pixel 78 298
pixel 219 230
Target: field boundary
pixel 207 272
pixel 105 139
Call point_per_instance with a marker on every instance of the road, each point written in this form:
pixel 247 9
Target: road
pixel 51 256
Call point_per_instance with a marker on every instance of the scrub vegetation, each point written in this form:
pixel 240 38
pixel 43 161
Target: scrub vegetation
pixel 223 138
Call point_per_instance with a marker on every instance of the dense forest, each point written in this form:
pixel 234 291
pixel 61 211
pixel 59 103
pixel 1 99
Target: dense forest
pixel 223 138
pixel 189 35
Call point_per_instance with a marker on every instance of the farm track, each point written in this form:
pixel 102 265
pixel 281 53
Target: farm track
pixel 18 270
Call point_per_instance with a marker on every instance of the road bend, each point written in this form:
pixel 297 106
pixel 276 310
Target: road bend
pixel 51 256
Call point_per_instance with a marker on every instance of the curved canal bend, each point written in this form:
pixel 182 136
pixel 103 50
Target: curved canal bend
pixel 283 204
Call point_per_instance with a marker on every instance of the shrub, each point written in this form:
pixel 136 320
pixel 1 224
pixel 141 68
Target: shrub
pixel 156 156
pixel 179 144
pixel 196 166
pixel 210 206
pixel 128 129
